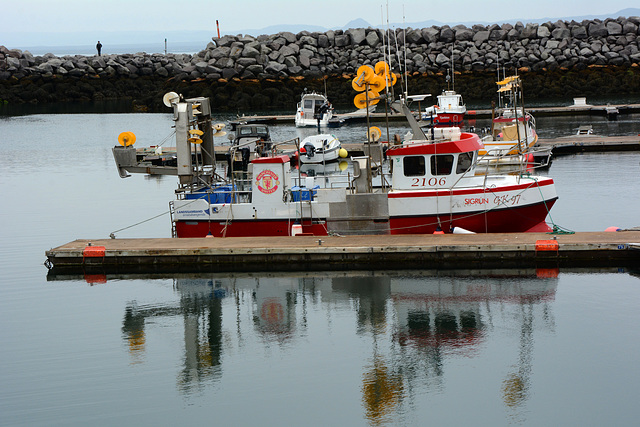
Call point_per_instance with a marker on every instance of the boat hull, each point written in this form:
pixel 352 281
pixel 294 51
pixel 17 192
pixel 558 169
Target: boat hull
pixel 530 218
pixel 445 119
pixel 246 228
pixel 311 122
pixel 478 212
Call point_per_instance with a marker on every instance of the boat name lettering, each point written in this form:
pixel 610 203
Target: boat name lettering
pixel 432 182
pixel 476 201
pixel 267 181
pixel 506 200
pixel 191 212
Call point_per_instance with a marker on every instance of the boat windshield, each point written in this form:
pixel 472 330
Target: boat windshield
pixel 414 166
pixel 441 164
pixel 465 160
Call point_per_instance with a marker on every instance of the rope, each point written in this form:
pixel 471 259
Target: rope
pixel 113 233
pixel 556 229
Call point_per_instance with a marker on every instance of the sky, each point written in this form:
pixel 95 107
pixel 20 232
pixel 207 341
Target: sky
pixel 25 19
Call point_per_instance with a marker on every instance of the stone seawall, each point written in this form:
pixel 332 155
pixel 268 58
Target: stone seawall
pixel 565 59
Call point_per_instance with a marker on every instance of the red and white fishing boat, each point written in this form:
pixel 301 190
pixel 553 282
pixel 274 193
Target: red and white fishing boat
pixel 449 111
pixel 431 187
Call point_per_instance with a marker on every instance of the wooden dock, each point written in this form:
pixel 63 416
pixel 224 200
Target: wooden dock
pixel 355 117
pixel 573 144
pixel 333 253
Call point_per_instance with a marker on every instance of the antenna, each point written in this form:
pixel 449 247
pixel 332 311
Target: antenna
pixel 453 74
pixel 404 42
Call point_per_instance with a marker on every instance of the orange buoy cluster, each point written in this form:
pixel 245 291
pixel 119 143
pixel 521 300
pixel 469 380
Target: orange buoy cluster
pixel 370 81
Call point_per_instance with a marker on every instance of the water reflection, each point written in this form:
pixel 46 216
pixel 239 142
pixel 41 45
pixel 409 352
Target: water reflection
pixel 416 323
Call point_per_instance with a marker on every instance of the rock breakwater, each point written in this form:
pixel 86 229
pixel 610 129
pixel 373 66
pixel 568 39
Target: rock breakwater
pixel 270 71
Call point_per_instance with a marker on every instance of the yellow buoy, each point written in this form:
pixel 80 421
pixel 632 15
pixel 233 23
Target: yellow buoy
pixel 394 78
pixel 343 165
pixel 358 85
pixel 374 133
pixel 377 83
pixel 343 153
pixel 126 139
pixel 366 72
pixel 360 100
pixel 382 68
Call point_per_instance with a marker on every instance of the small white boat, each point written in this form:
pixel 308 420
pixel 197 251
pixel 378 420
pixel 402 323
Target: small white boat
pixel 313 110
pixel 450 110
pixel 319 148
pixel 585 130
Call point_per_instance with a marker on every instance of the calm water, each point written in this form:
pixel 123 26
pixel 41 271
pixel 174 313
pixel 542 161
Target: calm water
pixel 361 348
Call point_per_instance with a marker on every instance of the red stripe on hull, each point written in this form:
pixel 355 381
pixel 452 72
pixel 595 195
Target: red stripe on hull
pixel 244 228
pixel 435 193
pixel 495 221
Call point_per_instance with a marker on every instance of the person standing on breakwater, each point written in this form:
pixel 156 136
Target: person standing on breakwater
pixel 99 47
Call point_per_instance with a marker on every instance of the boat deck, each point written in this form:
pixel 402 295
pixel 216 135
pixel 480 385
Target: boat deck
pixel 374 252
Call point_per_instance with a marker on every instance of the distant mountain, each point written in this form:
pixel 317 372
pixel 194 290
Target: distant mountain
pixel 361 23
pixel 356 23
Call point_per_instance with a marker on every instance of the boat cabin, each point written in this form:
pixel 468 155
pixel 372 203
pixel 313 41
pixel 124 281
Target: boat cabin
pixel 311 107
pixel 426 165
pixel 253 136
pixel 450 101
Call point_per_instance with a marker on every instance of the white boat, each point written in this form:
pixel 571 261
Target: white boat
pixel 511 143
pixel 321 148
pixel 432 188
pixel 313 110
pixel 512 132
pixel 449 111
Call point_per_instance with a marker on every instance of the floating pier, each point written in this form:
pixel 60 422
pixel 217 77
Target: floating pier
pixel 328 253
pixel 574 144
pixel 611 111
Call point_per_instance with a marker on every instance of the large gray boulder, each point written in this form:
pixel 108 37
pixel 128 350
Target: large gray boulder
pixel 431 34
pixel 373 39
pixel 598 30
pixel 357 35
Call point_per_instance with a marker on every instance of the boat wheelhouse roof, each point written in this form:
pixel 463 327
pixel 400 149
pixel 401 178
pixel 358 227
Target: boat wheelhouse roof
pixel 281 159
pixel 451 96
pixel 468 142
pixel 314 95
pixel 252 130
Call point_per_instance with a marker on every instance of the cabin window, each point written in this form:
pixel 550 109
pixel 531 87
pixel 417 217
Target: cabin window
pixel 441 164
pixel 465 160
pixel 308 104
pixel 414 166
pixel 246 131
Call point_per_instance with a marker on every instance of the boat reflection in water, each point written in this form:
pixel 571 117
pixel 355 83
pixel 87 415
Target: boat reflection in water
pixel 413 323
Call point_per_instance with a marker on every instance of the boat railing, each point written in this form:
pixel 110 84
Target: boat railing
pixel 493 164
